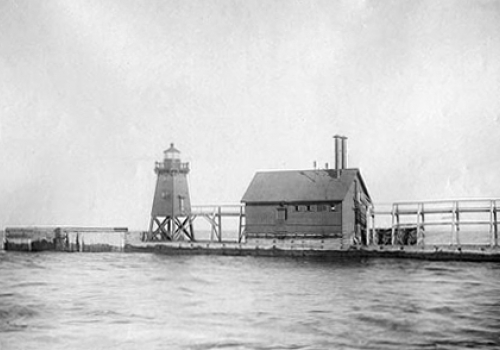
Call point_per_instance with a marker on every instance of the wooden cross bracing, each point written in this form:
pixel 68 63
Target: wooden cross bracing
pixel 171 229
pixel 181 228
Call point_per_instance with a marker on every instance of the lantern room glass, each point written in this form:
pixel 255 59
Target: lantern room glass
pixel 172 155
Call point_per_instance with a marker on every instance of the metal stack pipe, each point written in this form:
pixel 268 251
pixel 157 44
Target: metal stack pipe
pixel 344 152
pixel 338 154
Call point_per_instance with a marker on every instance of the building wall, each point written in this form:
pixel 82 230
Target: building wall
pixel 348 216
pixel 364 210
pixel 349 219
pixel 263 219
pixel 169 188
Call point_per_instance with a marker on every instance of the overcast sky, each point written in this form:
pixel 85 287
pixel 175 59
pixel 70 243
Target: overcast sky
pixel 92 92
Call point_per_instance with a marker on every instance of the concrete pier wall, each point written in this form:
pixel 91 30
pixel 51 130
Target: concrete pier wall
pixel 134 237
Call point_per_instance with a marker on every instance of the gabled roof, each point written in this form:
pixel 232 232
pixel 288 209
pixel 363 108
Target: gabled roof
pixel 301 185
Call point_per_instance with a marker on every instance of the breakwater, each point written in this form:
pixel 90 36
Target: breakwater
pixel 88 239
pixel 314 249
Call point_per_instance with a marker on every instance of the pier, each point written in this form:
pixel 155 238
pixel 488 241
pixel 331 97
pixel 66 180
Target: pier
pixel 310 212
pixel 442 229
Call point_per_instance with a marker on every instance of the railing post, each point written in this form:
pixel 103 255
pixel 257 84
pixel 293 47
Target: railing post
pixel 213 224
pixel 453 222
pixel 240 226
pixel 395 223
pixel 374 234
pixel 220 223
pixel 457 221
pixel 422 213
pixel 495 223
pixel 419 228
pixel 492 224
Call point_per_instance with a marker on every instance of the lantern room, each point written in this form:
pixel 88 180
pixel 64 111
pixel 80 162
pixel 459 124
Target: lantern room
pixel 172 153
pixel 172 162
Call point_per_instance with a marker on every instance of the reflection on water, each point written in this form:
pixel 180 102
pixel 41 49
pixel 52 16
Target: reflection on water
pixel 146 301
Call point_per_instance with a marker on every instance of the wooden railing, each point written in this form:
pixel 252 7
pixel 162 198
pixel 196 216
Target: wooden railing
pixel 214 215
pixel 161 167
pixel 454 214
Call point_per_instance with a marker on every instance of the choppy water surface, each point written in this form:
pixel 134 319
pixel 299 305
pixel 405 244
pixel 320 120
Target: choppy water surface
pixel 146 301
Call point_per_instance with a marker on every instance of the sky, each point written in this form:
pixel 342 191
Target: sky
pixel 92 92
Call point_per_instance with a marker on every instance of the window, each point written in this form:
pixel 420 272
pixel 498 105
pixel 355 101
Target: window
pixel 333 207
pixel 281 214
pixel 300 208
pixel 311 208
pixel 181 204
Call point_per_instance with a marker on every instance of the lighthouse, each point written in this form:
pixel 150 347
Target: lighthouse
pixel 171 214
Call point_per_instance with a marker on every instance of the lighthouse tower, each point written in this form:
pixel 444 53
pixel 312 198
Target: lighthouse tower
pixel 171 215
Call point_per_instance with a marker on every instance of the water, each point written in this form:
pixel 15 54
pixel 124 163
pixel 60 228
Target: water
pixel 147 301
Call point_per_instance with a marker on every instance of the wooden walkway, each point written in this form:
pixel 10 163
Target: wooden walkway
pixel 452 216
pixel 214 215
